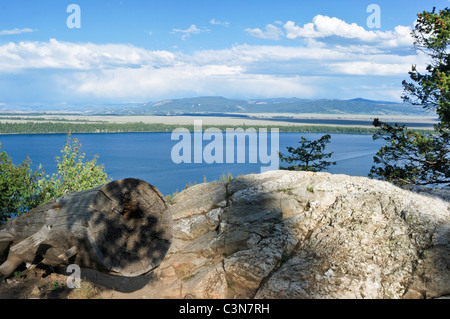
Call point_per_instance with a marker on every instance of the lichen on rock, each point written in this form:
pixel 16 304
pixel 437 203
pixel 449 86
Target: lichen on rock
pixel 285 234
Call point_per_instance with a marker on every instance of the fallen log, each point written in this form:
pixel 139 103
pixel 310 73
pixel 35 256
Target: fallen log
pixel 122 228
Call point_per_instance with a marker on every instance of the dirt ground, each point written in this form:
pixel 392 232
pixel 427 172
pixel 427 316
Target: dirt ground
pixel 41 283
pixel 51 283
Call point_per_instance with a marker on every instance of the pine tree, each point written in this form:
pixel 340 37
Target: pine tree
pixel 410 157
pixel 309 156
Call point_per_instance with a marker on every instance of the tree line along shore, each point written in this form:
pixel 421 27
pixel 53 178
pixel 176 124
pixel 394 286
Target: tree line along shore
pixel 64 128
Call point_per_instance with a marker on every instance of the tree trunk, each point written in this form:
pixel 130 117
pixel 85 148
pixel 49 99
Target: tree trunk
pixel 123 228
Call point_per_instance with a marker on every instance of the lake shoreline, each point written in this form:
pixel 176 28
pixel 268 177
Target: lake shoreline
pixel 319 123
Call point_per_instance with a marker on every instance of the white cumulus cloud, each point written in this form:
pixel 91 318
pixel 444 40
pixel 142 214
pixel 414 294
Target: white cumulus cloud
pixel 271 33
pixel 324 26
pixel 191 30
pixel 216 22
pixel 67 55
pixel 16 31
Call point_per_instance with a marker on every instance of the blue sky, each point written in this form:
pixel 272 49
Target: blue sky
pixel 140 51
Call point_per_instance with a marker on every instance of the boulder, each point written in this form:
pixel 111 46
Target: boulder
pixel 284 234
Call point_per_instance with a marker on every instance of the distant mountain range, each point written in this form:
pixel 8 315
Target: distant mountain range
pixel 218 104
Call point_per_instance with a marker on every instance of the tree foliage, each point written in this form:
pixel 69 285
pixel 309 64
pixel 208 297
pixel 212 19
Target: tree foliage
pixel 22 189
pixel 74 174
pixel 431 88
pixel 309 156
pixel 410 157
pixel 62 127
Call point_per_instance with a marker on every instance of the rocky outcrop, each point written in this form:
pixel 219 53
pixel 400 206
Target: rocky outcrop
pixel 288 234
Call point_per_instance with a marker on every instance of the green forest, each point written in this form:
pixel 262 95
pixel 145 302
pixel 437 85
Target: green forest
pixel 65 128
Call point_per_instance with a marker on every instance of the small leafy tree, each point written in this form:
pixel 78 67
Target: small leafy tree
pixel 410 157
pixel 20 187
pixel 309 156
pixel 73 173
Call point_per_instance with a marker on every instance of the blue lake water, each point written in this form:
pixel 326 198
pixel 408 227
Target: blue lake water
pixel 147 156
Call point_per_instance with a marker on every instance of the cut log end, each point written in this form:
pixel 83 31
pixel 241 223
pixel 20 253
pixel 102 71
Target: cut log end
pixel 124 227
pixel 132 226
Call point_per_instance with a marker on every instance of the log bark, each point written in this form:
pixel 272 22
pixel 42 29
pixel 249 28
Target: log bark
pixel 123 228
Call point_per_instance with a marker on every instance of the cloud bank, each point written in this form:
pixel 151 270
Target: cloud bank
pixel 372 65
